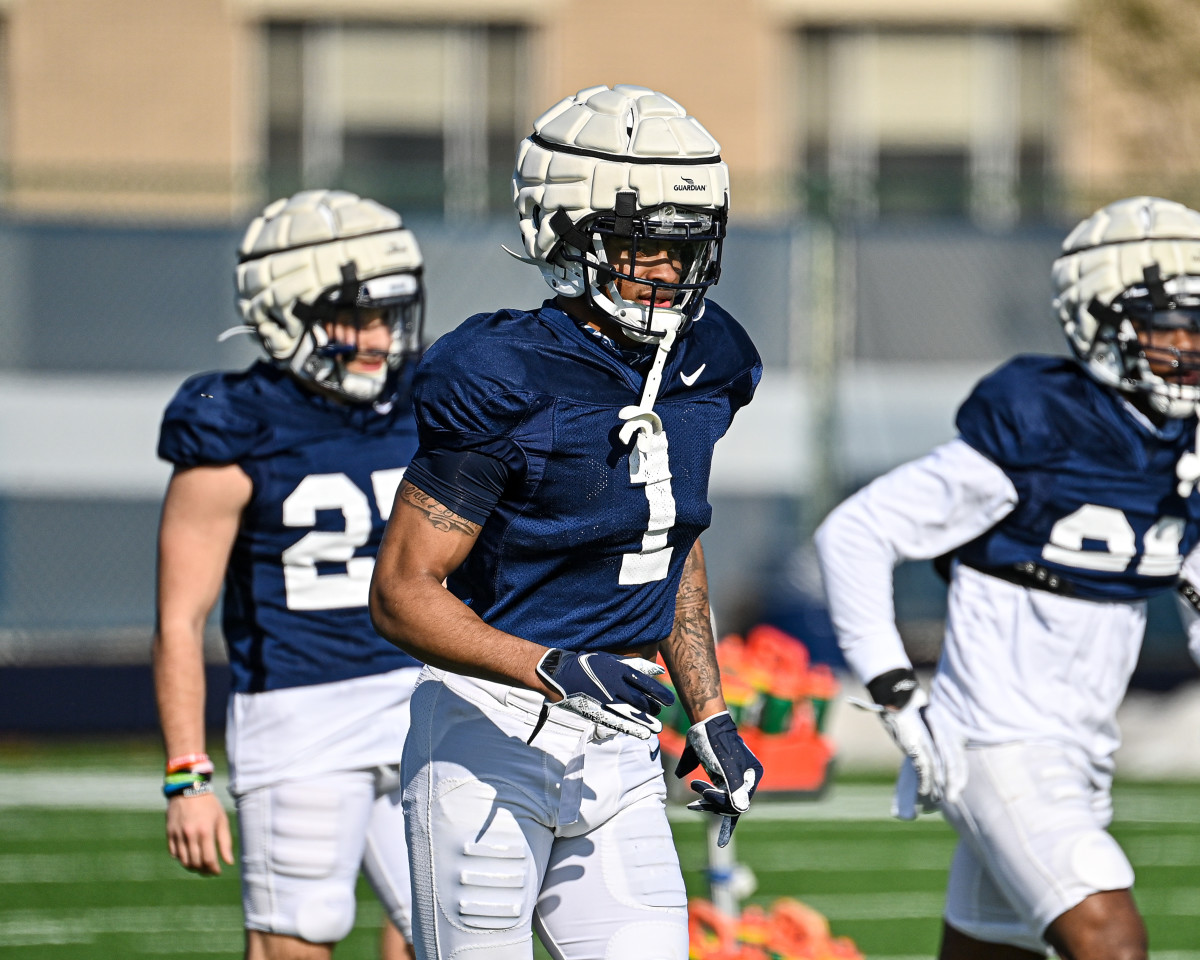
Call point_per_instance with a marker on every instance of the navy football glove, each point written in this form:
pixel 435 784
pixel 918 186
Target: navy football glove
pixel 615 692
pixel 715 744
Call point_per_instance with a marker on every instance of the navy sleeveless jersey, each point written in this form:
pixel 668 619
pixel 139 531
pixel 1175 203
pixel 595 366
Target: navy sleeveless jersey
pixel 568 557
pixel 325 475
pixel 1097 488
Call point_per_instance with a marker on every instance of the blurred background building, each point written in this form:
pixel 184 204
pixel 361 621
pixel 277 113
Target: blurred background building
pixel 903 171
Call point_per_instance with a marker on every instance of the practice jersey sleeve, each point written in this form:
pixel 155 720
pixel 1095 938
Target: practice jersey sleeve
pixel 202 426
pixel 466 402
pixel 1007 419
pixel 918 511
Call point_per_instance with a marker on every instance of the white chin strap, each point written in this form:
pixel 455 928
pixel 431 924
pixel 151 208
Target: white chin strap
pixel 649 468
pixel 641 417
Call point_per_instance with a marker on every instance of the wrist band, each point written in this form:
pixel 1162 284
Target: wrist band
pixel 188 788
pixel 189 761
pixel 189 775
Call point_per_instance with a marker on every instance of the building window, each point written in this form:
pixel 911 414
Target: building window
pixel 958 123
pixel 419 117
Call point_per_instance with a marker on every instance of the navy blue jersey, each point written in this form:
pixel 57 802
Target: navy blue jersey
pixel 568 558
pixel 325 475
pixel 1097 503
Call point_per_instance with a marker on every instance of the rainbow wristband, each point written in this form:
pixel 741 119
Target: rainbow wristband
pixel 194 788
pixel 186 784
pixel 188 776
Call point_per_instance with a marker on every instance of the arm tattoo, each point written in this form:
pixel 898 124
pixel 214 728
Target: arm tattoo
pixel 443 519
pixel 690 652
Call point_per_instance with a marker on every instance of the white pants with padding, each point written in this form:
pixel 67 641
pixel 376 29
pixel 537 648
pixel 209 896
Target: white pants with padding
pixel 303 844
pixel 568 834
pixel 1033 844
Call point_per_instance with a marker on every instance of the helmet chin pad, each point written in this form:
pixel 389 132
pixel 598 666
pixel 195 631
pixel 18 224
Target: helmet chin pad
pixel 324 361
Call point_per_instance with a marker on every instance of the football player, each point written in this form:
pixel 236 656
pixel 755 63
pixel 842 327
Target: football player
pixel 1066 501
pixel 559 491
pixel 284 477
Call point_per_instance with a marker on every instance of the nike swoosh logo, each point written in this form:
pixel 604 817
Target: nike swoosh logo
pixel 689 380
pixel 655 752
pixel 587 668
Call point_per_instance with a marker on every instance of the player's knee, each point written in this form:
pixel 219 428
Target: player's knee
pixel 300 863
pixel 660 939
pixel 326 916
pixel 1105 926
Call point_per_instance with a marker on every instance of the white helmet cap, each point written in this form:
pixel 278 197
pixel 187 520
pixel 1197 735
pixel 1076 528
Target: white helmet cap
pixel 1132 267
pixel 310 258
pixel 630 165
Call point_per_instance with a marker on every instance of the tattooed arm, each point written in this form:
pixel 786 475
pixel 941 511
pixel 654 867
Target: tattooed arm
pixel 689 651
pixel 411 607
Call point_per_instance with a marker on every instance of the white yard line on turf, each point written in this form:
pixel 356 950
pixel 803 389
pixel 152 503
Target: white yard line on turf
pixel 97 790
pixel 32 927
pixel 117 790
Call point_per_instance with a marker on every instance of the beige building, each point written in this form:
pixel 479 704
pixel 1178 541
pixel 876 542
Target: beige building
pixel 1000 110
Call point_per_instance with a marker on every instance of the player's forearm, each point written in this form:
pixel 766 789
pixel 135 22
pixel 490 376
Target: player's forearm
pixel 421 617
pixel 410 606
pixel 179 687
pixel 857 572
pixel 690 651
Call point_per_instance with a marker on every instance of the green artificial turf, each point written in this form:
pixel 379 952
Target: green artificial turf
pixel 92 881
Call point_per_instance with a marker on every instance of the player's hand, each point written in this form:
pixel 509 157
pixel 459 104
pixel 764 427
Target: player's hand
pixel 615 692
pixel 198 833
pixel 902 712
pixel 921 783
pixel 715 744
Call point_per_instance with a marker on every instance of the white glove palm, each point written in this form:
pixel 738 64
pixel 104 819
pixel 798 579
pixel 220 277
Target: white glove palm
pixel 923 775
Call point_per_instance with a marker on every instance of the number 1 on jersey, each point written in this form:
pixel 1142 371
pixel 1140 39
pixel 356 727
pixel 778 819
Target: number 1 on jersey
pixel 650 465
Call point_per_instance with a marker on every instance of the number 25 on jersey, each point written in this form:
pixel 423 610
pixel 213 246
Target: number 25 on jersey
pixel 305 586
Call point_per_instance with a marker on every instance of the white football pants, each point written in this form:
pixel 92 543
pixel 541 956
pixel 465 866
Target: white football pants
pixel 303 844
pixel 1032 821
pixel 569 833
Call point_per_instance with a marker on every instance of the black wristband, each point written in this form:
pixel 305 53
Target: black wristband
pixel 894 688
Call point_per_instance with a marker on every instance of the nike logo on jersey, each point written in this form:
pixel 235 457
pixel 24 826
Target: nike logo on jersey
pixel 689 379
pixel 655 752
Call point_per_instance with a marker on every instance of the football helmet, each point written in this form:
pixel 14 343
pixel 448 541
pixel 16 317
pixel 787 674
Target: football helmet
pixel 1128 275
pixel 609 175
pixel 326 257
